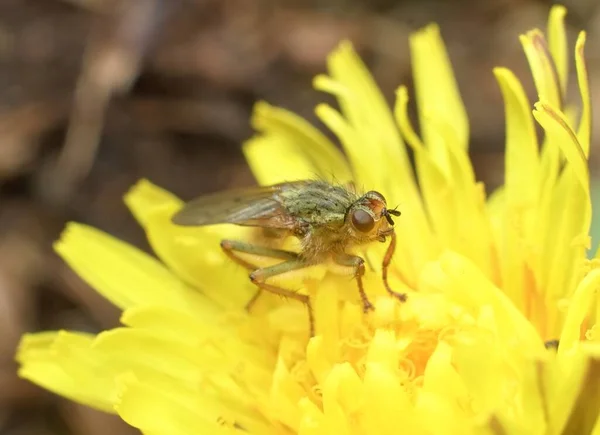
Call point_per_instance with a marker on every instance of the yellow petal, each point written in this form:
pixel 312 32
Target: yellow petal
pixel 556 126
pixel 521 185
pixel 128 347
pixel 573 391
pixel 374 141
pixel 465 283
pixel 273 160
pixel 193 253
pixel 557 44
pixel 565 246
pixel 585 127
pixel 434 180
pixel 169 320
pixel 135 278
pixel 596 430
pixel 449 419
pixel 455 201
pixel 522 396
pixel 342 398
pixel 62 362
pixel 146 199
pixel 369 135
pixel 438 97
pixel 579 308
pixel 441 378
pixel 343 387
pixel 312 419
pixel 154 411
pixel 284 396
pixel 387 405
pixel 542 67
pixel 479 363
pixel 304 151
pixel 521 155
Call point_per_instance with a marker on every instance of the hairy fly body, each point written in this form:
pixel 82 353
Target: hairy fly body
pixel 327 219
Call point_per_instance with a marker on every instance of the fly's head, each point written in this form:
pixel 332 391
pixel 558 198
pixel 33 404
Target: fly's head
pixel 369 219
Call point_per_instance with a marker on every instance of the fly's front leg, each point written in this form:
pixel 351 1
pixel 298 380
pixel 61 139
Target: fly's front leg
pixel 387 259
pixel 358 265
pixel 259 277
pixel 231 248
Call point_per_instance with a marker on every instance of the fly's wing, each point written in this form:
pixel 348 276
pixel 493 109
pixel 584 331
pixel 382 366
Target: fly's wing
pixel 257 206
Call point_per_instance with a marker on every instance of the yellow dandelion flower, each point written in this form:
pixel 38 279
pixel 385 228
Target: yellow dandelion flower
pixel 489 281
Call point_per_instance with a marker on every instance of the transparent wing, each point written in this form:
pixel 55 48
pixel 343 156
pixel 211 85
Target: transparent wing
pixel 257 206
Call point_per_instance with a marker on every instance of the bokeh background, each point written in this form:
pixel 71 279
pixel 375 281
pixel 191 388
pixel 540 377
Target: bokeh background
pixel 95 94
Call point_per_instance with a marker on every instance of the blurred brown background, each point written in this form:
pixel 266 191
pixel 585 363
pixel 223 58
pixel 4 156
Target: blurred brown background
pixel 95 94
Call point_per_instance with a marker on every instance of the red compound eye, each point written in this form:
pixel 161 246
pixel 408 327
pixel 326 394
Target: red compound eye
pixel 362 221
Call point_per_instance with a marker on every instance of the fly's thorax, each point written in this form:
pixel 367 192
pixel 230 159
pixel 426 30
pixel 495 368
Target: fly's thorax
pixel 317 203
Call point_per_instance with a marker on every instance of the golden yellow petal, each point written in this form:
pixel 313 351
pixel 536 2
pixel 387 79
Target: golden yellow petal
pixel 435 82
pixel 573 394
pixel 521 156
pixel 585 127
pixel 557 44
pixel 285 394
pixel 178 323
pixel 135 277
pixel 130 348
pixel 596 430
pixel 304 152
pixel 542 67
pixel 193 253
pixel 387 405
pixel 441 378
pixel 521 402
pixel 312 419
pixel 556 125
pixel 343 387
pixel 563 248
pixel 378 157
pixel 63 362
pixel 464 283
pixel 580 307
pixel 479 362
pixel 449 417
pixel 433 178
pixel 274 160
pixel 454 200
pixel 375 140
pixel 154 411
pixel 520 188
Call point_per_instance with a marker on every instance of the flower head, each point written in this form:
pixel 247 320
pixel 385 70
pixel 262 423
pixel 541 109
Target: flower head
pixel 488 281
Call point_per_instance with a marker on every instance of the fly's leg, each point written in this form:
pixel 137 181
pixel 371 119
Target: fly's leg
pixel 232 247
pixel 358 264
pixel 387 259
pixel 259 277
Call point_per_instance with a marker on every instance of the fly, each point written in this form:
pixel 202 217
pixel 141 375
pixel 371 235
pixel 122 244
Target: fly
pixel 327 219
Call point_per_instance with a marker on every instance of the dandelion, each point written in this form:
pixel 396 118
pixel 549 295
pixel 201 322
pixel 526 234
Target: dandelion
pixel 489 281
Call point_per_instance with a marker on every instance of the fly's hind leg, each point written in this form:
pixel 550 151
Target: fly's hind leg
pixel 231 248
pixel 358 265
pixel 259 277
pixel 387 259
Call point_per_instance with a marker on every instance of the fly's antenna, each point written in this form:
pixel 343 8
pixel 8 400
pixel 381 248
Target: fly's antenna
pixel 389 213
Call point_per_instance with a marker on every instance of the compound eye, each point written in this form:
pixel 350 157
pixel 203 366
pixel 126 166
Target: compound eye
pixel 362 221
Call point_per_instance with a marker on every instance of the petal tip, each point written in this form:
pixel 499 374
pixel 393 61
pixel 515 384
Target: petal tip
pixel 72 233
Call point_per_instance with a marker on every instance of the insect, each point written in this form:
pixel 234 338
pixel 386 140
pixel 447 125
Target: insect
pixel 327 219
